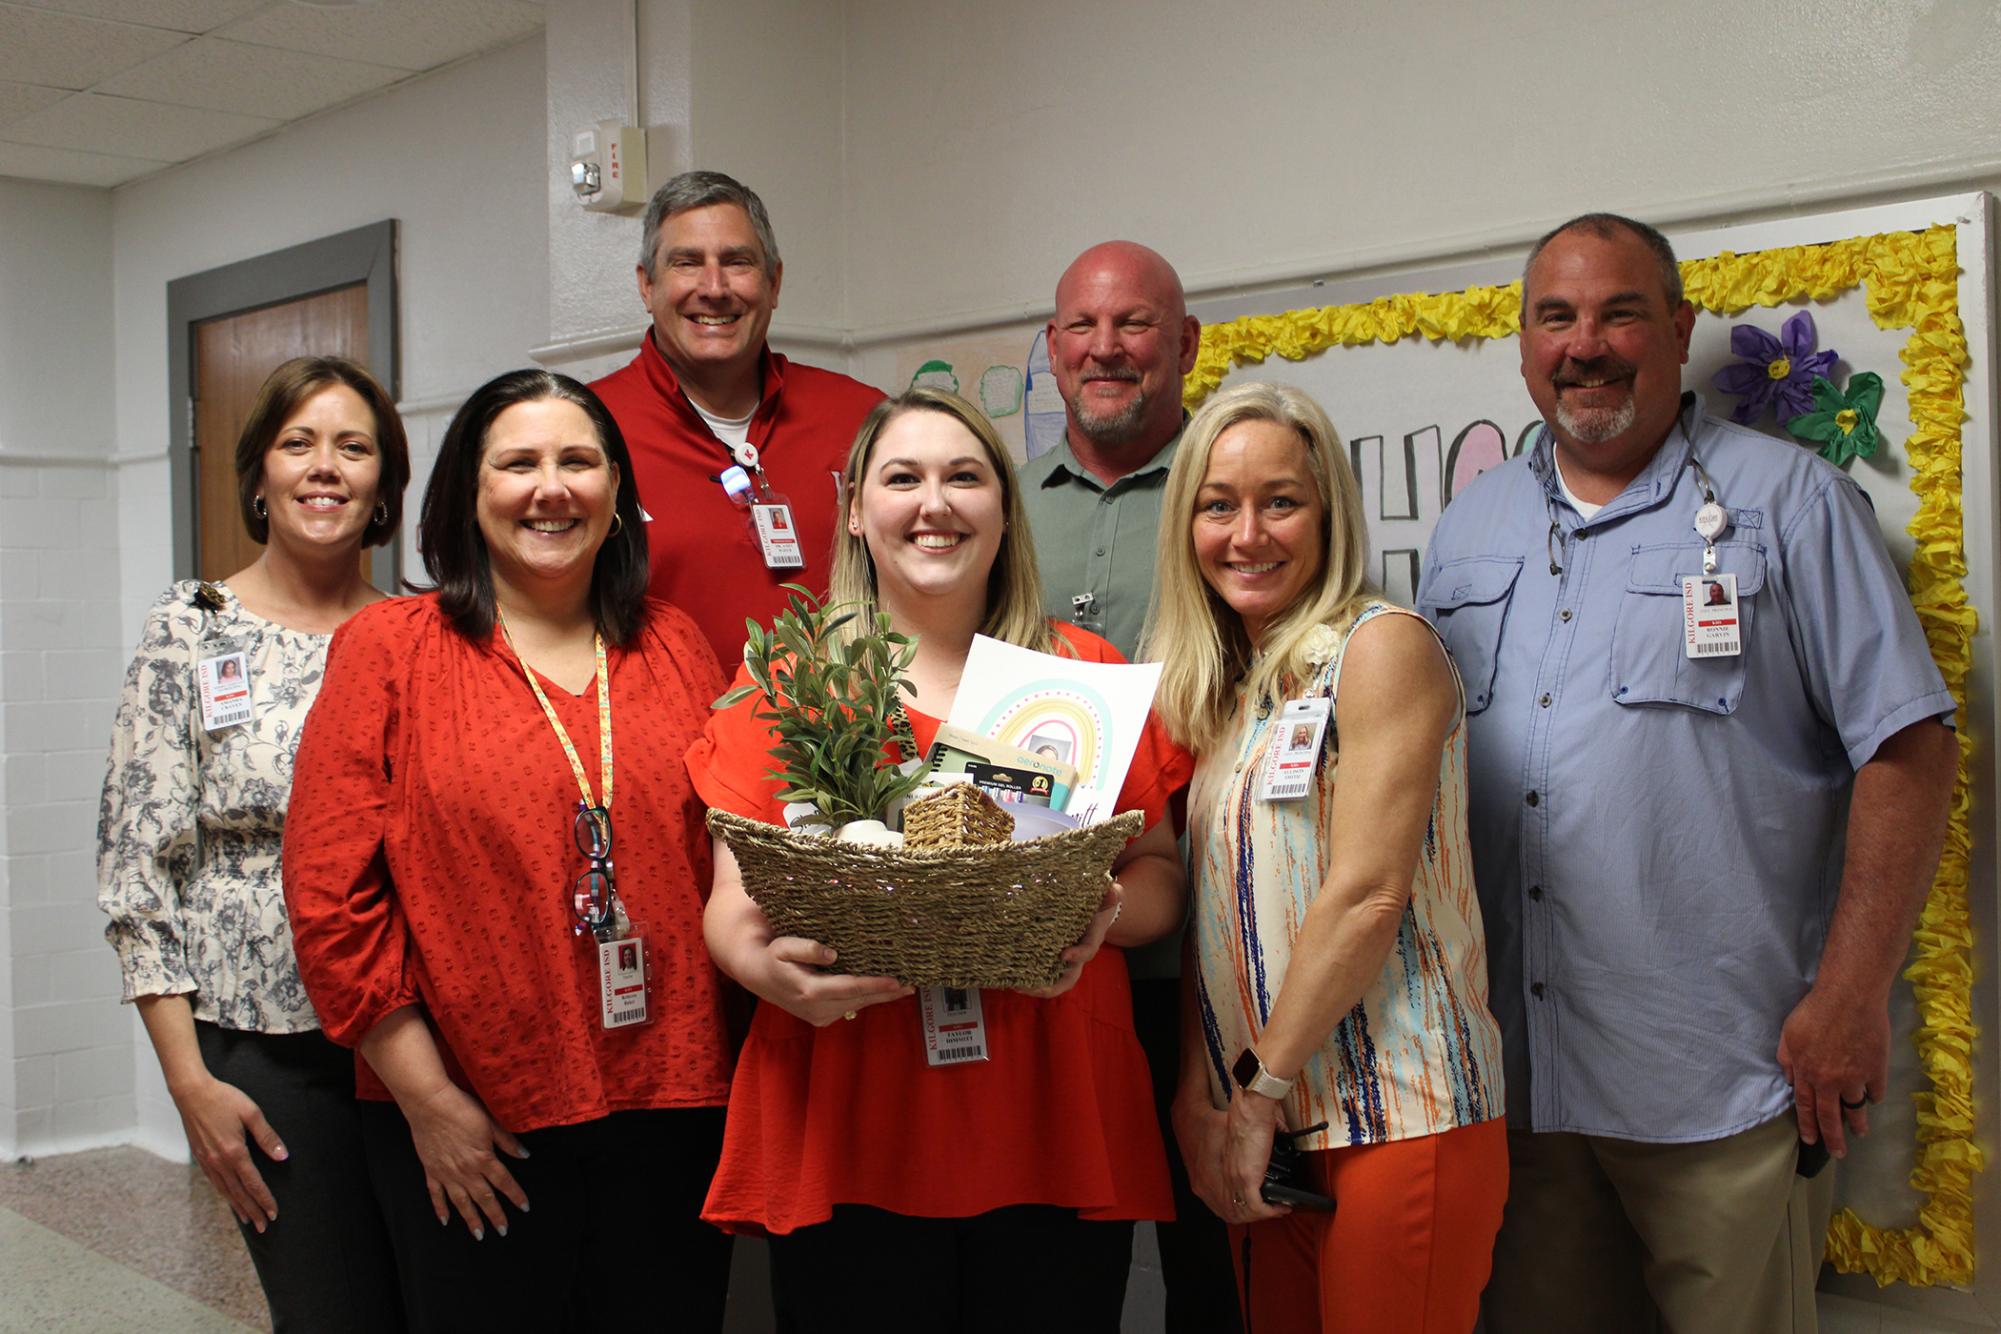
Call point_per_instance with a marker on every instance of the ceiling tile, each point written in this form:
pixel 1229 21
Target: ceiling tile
pixel 180 15
pixel 124 127
pixel 18 99
pixel 57 164
pixel 408 34
pixel 59 51
pixel 249 80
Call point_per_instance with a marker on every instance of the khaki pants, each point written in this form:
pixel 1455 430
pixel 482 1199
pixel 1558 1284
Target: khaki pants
pixel 1717 1237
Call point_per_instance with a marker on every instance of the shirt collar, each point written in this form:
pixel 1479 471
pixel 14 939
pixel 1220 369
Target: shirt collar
pixel 1067 464
pixel 660 374
pixel 1656 481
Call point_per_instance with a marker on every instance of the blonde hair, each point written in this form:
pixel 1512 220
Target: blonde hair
pixel 1014 590
pixel 1207 657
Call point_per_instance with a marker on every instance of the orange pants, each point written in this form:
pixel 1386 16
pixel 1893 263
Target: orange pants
pixel 1407 1248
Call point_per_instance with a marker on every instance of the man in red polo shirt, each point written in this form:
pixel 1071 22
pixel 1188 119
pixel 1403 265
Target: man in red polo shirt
pixel 705 395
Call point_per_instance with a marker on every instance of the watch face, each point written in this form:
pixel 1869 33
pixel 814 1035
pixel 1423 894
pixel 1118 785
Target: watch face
pixel 1246 1068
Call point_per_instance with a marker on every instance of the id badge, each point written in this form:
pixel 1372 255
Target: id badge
pixel 1710 623
pixel 1294 750
pixel 223 682
pixel 622 981
pixel 955 1030
pixel 777 538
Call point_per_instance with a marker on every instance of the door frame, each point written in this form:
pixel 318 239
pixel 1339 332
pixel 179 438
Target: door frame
pixel 363 255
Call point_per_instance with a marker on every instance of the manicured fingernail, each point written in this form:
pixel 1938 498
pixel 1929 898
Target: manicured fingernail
pixel 521 1151
pixel 501 1228
pixel 442 1220
pixel 281 1153
pixel 524 1206
pixel 479 1234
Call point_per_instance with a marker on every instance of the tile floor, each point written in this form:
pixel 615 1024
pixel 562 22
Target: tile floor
pixel 117 1239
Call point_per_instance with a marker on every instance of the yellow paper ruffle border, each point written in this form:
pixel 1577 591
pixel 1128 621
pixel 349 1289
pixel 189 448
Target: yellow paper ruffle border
pixel 1910 281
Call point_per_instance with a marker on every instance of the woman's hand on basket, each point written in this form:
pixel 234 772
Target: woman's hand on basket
pixel 1086 949
pixel 793 976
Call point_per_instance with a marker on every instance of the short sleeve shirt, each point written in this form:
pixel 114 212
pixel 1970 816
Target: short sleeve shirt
pixel 1095 541
pixel 1658 839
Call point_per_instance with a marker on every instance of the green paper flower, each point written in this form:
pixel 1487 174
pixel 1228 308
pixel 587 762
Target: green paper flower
pixel 1844 424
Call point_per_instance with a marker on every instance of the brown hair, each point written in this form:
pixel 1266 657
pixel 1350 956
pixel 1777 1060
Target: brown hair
pixel 282 393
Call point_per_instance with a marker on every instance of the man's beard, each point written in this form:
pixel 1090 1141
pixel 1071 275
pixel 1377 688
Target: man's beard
pixel 1594 426
pixel 1121 426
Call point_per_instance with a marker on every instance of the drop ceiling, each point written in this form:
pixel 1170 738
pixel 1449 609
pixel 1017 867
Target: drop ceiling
pixel 100 92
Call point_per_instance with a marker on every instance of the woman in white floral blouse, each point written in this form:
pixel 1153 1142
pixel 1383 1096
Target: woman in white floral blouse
pixel 189 833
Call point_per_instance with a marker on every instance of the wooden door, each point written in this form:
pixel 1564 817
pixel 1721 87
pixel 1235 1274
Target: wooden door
pixel 233 356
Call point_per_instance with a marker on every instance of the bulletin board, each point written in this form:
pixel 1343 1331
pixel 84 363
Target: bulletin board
pixel 1421 374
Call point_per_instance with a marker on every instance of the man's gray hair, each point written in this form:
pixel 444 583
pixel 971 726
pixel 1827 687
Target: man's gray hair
pixel 699 189
pixel 1603 226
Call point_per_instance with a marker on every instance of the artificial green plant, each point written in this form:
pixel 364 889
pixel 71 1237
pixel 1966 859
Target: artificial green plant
pixel 831 691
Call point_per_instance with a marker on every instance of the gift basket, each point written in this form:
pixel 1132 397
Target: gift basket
pixel 956 902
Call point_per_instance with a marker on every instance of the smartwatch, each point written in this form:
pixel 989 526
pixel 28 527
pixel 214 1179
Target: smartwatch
pixel 1251 1075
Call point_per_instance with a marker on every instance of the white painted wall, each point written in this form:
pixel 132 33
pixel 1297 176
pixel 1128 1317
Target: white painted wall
pixel 65 1058
pixel 987 144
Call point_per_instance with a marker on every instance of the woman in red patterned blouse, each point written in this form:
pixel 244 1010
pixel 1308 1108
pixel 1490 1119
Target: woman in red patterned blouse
pixel 500 909
pixel 991 1194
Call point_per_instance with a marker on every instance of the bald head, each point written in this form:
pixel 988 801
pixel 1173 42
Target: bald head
pixel 1120 342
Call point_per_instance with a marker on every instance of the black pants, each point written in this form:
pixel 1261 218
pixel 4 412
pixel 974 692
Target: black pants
pixel 613 1239
pixel 1028 1267
pixel 1195 1247
pixel 325 1262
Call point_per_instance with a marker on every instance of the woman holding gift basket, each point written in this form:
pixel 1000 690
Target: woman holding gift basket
pixel 1343 983
pixel 995 1193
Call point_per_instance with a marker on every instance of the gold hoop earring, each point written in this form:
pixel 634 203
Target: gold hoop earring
pixel 617 523
pixel 257 506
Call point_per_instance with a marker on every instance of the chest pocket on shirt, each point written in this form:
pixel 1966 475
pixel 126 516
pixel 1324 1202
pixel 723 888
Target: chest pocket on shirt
pixel 1650 663
pixel 1468 603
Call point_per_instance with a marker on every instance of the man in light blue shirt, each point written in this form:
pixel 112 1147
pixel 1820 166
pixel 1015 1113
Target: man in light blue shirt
pixel 1703 824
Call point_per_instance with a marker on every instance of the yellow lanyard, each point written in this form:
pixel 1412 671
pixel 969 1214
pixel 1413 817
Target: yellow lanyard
pixel 604 719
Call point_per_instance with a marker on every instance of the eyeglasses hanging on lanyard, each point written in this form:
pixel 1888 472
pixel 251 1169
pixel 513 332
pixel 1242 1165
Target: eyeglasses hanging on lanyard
pixel 594 905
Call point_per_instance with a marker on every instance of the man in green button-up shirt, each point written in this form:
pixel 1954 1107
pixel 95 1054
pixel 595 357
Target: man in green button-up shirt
pixel 1119 344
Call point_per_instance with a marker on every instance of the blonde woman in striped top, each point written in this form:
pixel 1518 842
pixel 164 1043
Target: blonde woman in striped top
pixel 1341 998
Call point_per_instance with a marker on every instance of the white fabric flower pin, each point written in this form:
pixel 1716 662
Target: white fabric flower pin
pixel 1320 645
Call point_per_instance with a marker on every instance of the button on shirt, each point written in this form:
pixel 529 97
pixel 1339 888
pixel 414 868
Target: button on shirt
pixel 1098 539
pixel 1095 539
pixel 1658 839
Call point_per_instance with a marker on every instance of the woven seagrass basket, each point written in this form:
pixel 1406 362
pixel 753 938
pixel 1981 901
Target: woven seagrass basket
pixel 967 915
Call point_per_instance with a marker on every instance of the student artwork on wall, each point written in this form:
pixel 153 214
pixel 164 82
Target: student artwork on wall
pixel 1863 335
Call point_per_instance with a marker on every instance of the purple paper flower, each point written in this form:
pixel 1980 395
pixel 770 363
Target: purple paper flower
pixel 1779 371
